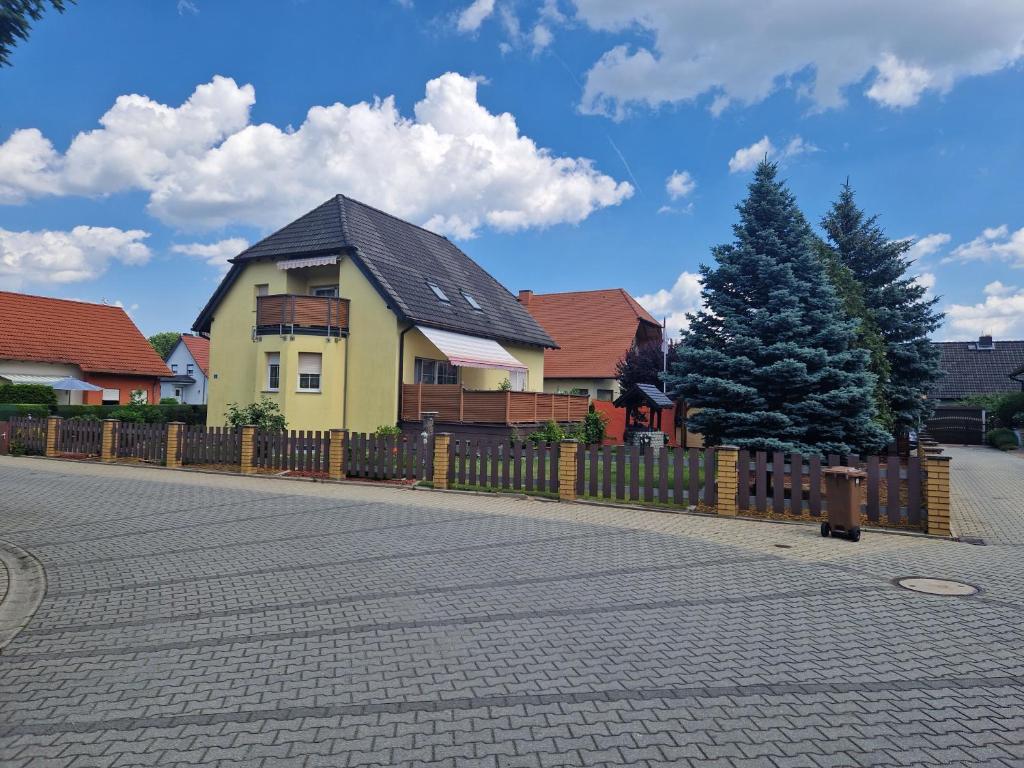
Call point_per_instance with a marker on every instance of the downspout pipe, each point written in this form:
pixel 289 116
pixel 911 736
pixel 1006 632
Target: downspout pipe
pixel 401 366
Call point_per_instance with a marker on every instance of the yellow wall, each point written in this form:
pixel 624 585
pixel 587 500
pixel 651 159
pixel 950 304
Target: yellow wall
pixel 368 398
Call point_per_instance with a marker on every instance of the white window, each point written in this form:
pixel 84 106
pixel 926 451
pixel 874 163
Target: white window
pixel 518 380
pixel 177 394
pixel 273 371
pixel 174 367
pixel 111 396
pixel 190 369
pixel 260 290
pixel 309 371
pixel 326 290
pixel 435 372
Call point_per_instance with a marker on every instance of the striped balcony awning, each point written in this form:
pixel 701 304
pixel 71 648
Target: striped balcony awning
pixel 471 351
pixel 312 261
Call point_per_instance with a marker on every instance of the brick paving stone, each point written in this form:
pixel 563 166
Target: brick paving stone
pixel 987 495
pixel 196 619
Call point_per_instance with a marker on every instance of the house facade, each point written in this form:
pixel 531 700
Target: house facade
pixel 352 318
pixel 189 361
pixel 593 330
pixel 47 339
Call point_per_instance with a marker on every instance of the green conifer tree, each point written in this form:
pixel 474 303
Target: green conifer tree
pixel 769 360
pixel 896 305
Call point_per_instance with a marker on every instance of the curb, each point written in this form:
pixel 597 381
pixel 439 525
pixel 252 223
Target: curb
pixel 26 586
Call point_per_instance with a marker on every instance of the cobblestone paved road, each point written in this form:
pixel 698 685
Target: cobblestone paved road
pixel 201 620
pixel 987 495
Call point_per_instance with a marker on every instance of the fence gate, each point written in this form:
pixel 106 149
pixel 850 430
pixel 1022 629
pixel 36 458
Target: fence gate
pixel 962 426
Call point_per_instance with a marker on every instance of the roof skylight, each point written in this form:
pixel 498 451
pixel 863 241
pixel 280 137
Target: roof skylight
pixel 472 302
pixel 438 292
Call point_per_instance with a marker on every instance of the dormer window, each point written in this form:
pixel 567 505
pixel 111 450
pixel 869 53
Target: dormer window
pixel 472 302
pixel 438 292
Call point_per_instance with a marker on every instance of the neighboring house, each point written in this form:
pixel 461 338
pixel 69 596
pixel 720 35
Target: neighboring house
pixel 189 361
pixel 982 367
pixel 47 339
pixel 594 330
pixel 349 317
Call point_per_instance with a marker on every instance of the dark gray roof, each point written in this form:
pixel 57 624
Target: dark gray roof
pixel 399 258
pixel 972 371
pixel 646 394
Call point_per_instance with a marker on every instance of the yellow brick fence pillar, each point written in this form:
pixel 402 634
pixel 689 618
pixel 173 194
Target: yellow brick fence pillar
pixel 248 435
pixel 567 470
pixel 108 451
pixel 174 444
pixel 336 454
pixel 441 442
pixel 936 494
pixel 52 430
pixel 727 479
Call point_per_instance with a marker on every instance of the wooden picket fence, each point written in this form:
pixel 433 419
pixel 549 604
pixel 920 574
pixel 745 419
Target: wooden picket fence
pixel 791 486
pixel 397 457
pixel 210 445
pixel 503 465
pixel 682 477
pixel 81 437
pixel 147 442
pixel 29 433
pixel 295 450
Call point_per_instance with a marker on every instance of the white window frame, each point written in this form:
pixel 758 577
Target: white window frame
pixel 305 369
pixel 107 398
pixel 519 380
pixel 324 291
pixel 273 361
pixel 190 369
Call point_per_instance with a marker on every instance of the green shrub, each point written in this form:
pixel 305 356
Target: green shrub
pixel 1002 438
pixel 169 401
pixel 505 385
pixel 74 411
pixel 264 414
pixel 39 394
pixel 591 430
pixel 83 417
pixel 387 430
pixel 551 432
pixel 30 409
pixel 1010 410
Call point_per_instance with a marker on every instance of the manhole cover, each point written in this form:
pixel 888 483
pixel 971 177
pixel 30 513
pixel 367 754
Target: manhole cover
pixel 938 587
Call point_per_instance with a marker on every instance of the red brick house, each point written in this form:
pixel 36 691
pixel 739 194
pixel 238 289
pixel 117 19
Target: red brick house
pixel 47 339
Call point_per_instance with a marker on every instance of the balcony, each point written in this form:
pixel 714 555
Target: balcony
pixel 454 403
pixel 292 314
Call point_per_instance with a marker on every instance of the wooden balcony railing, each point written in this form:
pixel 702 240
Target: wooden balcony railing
pixel 454 403
pixel 286 313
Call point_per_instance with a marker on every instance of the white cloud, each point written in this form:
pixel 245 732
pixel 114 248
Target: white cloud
pixel 927 281
pixel 542 38
pixel 673 304
pixel 730 51
pixel 993 244
pixel 453 165
pixel 83 253
pixel 1000 314
pixel 747 158
pixel 680 184
pixel 927 245
pixel 474 14
pixel 898 84
pixel 214 254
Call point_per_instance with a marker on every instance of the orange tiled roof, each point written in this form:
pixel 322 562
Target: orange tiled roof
pixel 593 329
pixel 199 348
pixel 95 337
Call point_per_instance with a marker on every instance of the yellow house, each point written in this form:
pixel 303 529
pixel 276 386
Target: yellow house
pixel 349 317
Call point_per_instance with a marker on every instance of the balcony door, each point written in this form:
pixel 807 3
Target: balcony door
pixel 326 291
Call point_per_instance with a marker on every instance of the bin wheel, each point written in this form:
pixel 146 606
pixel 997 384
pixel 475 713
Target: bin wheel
pixel 854 534
pixel 825 530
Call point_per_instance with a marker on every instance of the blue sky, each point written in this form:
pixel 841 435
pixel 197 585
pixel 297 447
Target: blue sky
pixel 141 144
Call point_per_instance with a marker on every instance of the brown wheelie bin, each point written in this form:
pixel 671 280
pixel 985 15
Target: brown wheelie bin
pixel 842 495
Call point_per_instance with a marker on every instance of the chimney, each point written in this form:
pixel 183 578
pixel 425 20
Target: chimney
pixel 524 297
pixel 985 342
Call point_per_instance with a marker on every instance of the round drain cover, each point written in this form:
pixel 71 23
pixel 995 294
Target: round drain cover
pixel 938 587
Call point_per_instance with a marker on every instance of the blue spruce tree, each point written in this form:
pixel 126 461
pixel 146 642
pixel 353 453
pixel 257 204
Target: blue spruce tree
pixel 896 304
pixel 770 361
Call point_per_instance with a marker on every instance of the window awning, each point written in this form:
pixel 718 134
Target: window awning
pixel 64 383
pixel 471 351
pixel 312 261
